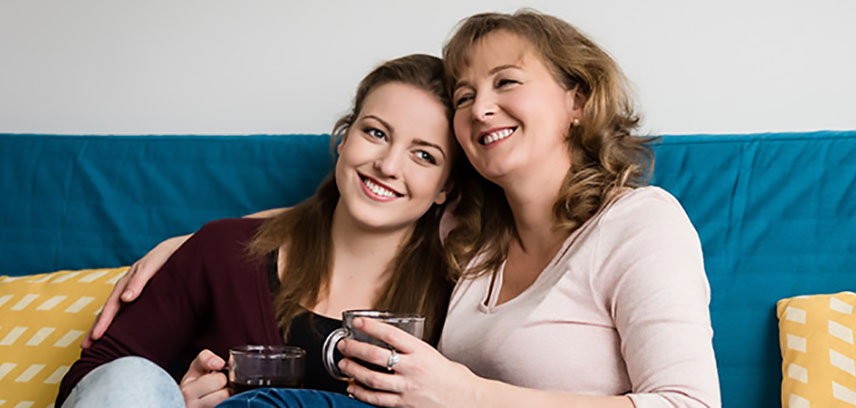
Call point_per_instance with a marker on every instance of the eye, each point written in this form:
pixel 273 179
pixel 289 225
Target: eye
pixel 463 99
pixel 423 155
pixel 376 133
pixel 504 82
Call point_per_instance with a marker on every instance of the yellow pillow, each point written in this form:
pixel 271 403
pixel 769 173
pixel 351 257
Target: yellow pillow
pixel 818 354
pixel 43 319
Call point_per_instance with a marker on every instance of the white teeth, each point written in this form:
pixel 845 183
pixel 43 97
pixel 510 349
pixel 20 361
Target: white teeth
pixel 378 189
pixel 498 135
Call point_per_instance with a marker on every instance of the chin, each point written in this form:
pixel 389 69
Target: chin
pixel 379 225
pixel 495 171
pixel 373 218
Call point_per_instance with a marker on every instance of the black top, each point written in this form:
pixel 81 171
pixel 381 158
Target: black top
pixel 308 331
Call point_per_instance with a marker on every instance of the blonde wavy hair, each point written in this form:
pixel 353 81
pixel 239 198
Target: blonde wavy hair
pixel 605 155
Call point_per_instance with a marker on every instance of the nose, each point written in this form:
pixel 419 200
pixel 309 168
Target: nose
pixel 389 162
pixel 484 106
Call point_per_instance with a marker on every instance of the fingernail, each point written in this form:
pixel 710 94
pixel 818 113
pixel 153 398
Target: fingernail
pixel 342 364
pixel 358 322
pixel 127 295
pixel 341 345
pixel 350 391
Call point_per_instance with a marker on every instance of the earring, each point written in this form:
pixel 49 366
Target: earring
pixel 576 122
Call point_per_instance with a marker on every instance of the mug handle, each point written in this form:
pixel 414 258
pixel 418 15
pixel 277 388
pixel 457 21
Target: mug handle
pixel 328 353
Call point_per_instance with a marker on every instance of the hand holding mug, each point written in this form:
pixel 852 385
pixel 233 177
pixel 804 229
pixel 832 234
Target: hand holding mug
pixel 411 323
pixel 209 380
pixel 421 377
pixel 203 385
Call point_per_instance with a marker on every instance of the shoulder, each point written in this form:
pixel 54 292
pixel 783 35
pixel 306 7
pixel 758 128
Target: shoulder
pixel 650 210
pixel 218 250
pixel 644 258
pixel 644 241
pixel 650 200
pixel 228 230
pixel 646 229
pixel 222 239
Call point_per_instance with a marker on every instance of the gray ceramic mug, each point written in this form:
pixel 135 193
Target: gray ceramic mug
pixel 409 322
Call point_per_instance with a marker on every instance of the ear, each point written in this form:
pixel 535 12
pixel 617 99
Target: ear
pixel 575 101
pixel 443 194
pixel 342 143
pixel 441 197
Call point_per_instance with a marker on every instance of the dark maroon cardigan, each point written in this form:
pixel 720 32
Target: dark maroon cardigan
pixel 209 294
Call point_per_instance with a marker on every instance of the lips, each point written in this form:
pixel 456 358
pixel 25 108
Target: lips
pixel 377 190
pixel 495 135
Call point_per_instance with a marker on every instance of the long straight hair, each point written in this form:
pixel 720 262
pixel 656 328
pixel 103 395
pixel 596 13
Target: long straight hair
pixel 422 273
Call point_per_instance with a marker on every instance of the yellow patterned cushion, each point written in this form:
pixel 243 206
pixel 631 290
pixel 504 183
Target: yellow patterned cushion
pixel 43 319
pixel 818 354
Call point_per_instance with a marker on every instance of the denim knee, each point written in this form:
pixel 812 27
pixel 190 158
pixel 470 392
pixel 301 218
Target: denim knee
pixel 291 398
pixel 126 382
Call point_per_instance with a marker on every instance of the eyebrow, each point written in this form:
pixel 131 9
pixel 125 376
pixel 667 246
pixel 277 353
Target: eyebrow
pixel 503 67
pixel 420 142
pixel 493 71
pixel 383 122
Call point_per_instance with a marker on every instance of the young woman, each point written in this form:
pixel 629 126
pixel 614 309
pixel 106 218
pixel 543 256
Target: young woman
pixel 380 210
pixel 589 289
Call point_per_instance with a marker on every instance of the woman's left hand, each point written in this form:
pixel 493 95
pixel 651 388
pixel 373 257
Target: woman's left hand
pixel 422 377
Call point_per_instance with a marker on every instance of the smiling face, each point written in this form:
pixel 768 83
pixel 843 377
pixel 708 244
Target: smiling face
pixel 511 115
pixel 396 157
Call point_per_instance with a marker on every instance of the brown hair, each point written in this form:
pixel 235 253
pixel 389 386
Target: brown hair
pixel 420 276
pixel 605 156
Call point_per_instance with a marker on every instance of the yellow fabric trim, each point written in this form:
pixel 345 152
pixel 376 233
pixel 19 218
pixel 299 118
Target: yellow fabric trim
pixel 43 319
pixel 816 337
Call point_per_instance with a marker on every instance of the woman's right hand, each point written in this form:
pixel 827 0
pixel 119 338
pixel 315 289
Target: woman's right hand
pixel 203 385
pixel 131 284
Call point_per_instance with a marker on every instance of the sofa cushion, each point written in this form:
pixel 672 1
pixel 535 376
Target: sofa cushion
pixel 818 353
pixel 43 319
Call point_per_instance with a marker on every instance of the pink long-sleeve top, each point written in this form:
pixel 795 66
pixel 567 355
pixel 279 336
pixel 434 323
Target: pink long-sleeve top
pixel 622 309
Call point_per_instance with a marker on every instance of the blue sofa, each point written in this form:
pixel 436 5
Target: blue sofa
pixel 776 214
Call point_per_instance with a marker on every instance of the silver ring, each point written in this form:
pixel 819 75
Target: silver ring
pixel 392 360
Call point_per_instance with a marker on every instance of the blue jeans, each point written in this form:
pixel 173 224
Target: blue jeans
pixel 131 382
pixel 291 398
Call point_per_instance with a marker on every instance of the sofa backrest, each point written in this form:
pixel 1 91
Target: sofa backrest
pixel 73 202
pixel 776 214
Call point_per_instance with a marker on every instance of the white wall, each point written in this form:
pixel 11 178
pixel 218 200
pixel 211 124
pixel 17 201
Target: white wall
pixel 276 66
